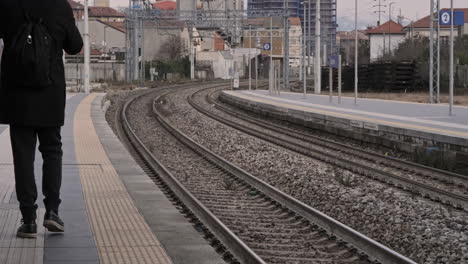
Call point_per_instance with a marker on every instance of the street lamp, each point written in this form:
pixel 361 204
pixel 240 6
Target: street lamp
pixel 452 19
pixel 105 52
pixel 318 43
pixel 86 48
pixel 304 49
pixel 390 33
pixel 356 54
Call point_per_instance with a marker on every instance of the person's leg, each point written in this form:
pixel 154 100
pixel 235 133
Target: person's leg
pixel 50 146
pixel 23 143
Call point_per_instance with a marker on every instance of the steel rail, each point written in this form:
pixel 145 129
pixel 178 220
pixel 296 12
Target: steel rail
pixel 456 200
pixel 458 179
pixel 236 246
pixel 373 249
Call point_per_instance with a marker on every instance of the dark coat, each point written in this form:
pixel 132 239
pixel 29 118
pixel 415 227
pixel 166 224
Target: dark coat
pixel 42 107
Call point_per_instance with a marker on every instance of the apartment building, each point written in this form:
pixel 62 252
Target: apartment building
pixel 296 9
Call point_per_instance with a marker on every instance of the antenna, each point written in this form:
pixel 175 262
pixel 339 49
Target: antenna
pixel 380 11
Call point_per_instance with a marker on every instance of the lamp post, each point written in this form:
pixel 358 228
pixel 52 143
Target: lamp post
pixel 309 37
pixel 105 52
pixel 452 18
pixel 390 33
pixel 304 49
pixel 256 61
pixel 86 49
pixel 250 64
pixel 318 43
pixel 356 54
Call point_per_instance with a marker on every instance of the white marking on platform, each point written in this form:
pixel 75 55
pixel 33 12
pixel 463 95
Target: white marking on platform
pixel 401 118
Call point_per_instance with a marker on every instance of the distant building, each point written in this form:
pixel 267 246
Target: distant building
pixel 165 5
pixel 104 36
pixel 346 42
pixel 421 28
pixel 384 39
pixel 328 18
pixel 260 35
pixel 77 8
pixel 103 13
pixel 107 14
pixel 102 3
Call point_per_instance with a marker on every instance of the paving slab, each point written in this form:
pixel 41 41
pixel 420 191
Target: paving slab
pixel 47 246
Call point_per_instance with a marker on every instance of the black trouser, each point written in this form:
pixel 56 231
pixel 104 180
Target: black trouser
pixel 23 142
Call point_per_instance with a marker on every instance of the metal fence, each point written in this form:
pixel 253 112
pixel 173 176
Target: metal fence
pixel 462 76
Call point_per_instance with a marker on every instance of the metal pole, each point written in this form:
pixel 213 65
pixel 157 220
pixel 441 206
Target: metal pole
pixel 438 57
pixel 105 52
pixel 136 50
pixel 250 64
pixel 331 84
pixel 304 39
pixel 309 38
pixel 431 55
pixel 86 48
pixel 286 46
pixel 434 54
pixel 301 56
pixel 256 69
pixel 451 58
pixel 356 80
pixel 339 79
pixel 192 57
pixel 271 53
pixel 318 68
pixel 304 51
pixel 390 33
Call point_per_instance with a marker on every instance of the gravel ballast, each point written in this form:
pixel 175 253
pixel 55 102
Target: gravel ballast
pixel 424 231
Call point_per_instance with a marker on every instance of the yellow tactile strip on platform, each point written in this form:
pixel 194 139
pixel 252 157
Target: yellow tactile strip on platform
pixel 120 231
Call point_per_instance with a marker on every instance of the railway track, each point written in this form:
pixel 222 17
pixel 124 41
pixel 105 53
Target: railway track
pixel 444 187
pixel 256 222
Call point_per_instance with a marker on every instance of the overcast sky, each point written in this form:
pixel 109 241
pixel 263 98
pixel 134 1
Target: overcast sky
pixel 411 9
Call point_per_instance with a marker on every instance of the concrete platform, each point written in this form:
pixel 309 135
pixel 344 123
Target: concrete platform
pixel 398 125
pixel 113 212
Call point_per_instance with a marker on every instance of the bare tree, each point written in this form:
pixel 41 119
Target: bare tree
pixel 171 49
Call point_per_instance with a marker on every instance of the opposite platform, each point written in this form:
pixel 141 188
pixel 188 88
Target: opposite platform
pixel 394 124
pixel 113 212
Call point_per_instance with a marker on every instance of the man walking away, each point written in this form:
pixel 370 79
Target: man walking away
pixel 32 98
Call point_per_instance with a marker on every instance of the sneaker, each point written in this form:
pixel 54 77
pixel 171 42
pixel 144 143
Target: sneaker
pixel 27 229
pixel 53 223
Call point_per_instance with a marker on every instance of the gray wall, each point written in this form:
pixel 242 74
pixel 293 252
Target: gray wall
pixel 186 5
pixel 99 72
pixel 114 37
pixel 155 37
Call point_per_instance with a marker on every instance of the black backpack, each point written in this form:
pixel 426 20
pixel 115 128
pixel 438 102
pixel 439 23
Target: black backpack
pixel 30 55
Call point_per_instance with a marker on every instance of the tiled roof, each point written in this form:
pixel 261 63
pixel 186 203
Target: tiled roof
pixel 391 27
pixel 295 21
pixel 165 5
pixel 351 35
pixel 101 11
pixel 75 5
pixel 120 26
pixel 92 52
pixel 426 21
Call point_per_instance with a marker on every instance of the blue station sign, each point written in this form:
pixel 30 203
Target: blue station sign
pixel 445 18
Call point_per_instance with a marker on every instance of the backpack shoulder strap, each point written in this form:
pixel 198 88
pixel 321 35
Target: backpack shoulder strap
pixel 23 10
